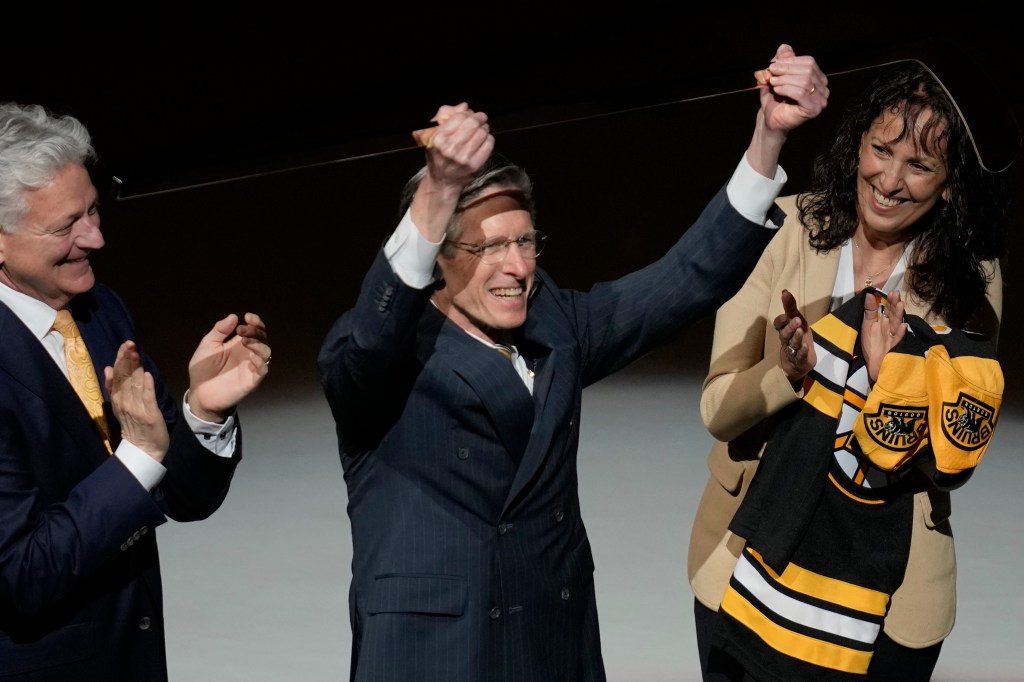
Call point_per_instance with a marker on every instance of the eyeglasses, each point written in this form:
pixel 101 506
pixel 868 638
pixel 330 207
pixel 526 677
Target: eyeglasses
pixel 494 251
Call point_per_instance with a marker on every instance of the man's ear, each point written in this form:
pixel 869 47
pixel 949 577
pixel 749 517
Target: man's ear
pixel 945 194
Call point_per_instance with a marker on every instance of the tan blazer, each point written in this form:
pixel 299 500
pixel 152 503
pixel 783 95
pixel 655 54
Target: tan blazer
pixel 746 386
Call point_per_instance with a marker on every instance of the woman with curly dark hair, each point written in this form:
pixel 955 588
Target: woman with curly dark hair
pixel 900 203
pixel 953 237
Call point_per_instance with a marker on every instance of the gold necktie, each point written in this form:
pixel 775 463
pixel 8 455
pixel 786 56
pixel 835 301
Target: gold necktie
pixel 504 350
pixel 82 373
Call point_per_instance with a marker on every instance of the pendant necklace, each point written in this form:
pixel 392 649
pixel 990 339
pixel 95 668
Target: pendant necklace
pixel 869 280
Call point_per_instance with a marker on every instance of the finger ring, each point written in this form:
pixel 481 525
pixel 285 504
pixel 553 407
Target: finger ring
pixel 811 91
pixel 891 334
pixel 791 351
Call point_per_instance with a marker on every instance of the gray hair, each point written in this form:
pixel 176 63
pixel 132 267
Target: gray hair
pixel 497 171
pixel 34 146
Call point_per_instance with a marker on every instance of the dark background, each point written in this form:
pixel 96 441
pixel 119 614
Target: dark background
pixel 260 158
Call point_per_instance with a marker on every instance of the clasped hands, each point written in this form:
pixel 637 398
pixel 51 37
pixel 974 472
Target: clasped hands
pixel 455 150
pixel 231 360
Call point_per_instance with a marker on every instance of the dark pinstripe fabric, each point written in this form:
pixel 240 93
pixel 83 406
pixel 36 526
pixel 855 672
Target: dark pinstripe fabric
pixel 470 560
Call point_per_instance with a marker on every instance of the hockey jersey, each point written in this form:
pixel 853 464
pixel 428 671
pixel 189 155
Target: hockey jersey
pixel 828 515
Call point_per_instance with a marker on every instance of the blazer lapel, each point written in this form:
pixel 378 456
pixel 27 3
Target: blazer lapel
pixel 25 360
pixel 554 399
pixel 526 425
pixel 819 275
pixel 495 381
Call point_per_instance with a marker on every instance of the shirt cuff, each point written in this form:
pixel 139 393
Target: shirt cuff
pixel 752 194
pixel 411 256
pixel 144 468
pixel 217 438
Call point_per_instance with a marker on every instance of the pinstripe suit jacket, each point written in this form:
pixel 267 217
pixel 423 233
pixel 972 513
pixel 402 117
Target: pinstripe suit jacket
pixel 471 562
pixel 80 590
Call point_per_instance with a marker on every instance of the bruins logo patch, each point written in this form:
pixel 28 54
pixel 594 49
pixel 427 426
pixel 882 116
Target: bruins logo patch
pixel 968 422
pixel 897 427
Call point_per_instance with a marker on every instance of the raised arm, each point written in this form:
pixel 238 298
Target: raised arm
pixel 457 148
pixel 796 90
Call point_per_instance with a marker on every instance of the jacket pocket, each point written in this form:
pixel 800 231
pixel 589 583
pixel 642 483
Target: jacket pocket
pixel 583 557
pixel 729 472
pixel 68 645
pixel 442 595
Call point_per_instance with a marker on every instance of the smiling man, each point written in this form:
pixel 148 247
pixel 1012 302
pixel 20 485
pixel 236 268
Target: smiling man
pixel 456 383
pixel 95 453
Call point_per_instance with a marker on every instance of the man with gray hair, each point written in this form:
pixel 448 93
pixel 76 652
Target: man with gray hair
pixel 95 453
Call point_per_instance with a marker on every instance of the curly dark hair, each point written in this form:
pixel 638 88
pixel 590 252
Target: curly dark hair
pixel 957 237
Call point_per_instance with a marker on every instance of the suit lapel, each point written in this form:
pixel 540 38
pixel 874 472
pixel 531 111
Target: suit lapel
pixel 819 274
pixel 25 360
pixel 495 382
pixel 554 397
pixel 525 425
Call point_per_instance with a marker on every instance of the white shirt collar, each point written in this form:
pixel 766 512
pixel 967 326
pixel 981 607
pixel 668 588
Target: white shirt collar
pixel 35 314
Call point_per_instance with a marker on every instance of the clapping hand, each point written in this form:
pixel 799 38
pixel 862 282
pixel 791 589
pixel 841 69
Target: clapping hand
pixel 133 400
pixel 882 329
pixel 797 356
pixel 230 362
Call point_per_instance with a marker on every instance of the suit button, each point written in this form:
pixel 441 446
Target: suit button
pixel 559 515
pixel 565 594
pixel 124 546
pixel 144 623
pixel 496 613
pixel 463 453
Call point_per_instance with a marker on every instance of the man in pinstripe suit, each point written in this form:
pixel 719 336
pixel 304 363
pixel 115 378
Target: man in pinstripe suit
pixel 457 402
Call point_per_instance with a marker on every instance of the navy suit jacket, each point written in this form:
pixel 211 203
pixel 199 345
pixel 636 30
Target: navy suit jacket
pixel 470 560
pixel 80 593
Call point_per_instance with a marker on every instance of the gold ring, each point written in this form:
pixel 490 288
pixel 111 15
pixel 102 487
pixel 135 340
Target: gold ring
pixel 811 91
pixel 891 334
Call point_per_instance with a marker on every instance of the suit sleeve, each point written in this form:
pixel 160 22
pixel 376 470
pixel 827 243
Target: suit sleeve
pixel 48 548
pixel 197 480
pixel 624 319
pixel 367 362
pixel 66 508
